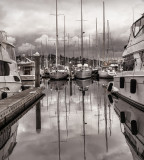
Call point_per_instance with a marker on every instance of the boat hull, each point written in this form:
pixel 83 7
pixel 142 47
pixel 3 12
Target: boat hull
pixel 58 75
pixel 104 74
pixel 83 74
pixel 9 85
pixel 125 91
pixel 27 77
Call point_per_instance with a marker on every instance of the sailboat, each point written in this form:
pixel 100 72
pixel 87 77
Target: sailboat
pixel 58 71
pixel 10 82
pixel 106 71
pixel 82 70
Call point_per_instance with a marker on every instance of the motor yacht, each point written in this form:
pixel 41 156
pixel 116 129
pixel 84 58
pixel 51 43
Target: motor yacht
pixel 130 82
pixel 10 82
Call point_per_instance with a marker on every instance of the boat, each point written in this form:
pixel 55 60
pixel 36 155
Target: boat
pixel 132 125
pixel 10 82
pixel 26 69
pixel 82 71
pixel 129 82
pixel 58 71
pixel 107 72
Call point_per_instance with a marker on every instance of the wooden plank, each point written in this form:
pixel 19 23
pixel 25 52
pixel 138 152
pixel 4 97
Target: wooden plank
pixel 11 106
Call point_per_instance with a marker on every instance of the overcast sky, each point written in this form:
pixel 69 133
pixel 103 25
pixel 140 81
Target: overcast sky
pixel 30 19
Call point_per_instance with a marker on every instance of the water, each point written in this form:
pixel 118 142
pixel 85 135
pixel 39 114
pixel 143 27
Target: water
pixel 74 121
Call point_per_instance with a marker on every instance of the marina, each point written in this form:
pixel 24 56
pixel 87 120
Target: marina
pixel 72 80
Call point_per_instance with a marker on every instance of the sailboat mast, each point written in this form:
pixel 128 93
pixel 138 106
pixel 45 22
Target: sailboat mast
pixel 97 45
pixel 81 32
pixel 107 38
pixel 103 29
pixel 56 34
pixel 64 40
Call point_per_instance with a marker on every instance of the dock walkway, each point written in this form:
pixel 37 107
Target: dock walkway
pixel 14 105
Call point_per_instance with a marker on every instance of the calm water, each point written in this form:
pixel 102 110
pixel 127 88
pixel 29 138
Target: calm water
pixel 74 121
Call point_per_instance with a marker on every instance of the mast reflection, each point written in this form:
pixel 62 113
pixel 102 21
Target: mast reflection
pixel 58 86
pixel 83 87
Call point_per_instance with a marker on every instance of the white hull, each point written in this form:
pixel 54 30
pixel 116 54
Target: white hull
pixel 83 74
pixel 139 77
pixel 9 85
pixel 27 77
pixel 104 74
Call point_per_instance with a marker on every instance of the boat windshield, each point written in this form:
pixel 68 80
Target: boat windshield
pixel 11 51
pixel 138 27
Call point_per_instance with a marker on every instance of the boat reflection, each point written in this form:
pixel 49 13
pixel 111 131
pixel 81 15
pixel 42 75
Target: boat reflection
pixel 133 123
pixel 57 85
pixel 8 141
pixel 83 84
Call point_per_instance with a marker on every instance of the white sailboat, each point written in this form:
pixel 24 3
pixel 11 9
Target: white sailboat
pixel 82 70
pixel 58 71
pixel 10 82
pixel 129 83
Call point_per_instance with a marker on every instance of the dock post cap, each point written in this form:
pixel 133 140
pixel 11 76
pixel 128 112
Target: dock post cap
pixel 23 55
pixel 36 54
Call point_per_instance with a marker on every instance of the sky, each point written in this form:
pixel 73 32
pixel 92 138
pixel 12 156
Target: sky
pixel 30 22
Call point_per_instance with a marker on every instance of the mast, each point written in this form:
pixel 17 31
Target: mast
pixel 97 42
pixel 103 30
pixel 64 39
pixel 81 32
pixel 56 34
pixel 108 38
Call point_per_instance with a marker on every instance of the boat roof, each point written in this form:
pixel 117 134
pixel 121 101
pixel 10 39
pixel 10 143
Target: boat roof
pixel 6 42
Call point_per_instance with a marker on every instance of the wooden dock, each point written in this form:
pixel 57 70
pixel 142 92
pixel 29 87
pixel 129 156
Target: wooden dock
pixel 11 107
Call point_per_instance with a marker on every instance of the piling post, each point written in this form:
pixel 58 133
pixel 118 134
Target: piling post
pixel 38 118
pixel 37 69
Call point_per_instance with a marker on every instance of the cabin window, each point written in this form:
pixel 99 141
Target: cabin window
pixel 128 64
pixel 4 69
pixel 11 52
pixel 27 70
pixel 138 27
pixel 142 56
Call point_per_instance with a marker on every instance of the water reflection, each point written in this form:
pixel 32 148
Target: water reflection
pixel 133 130
pixel 8 141
pixel 74 120
pixel 83 87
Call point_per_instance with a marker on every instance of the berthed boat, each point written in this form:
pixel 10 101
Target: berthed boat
pixel 129 84
pixel 10 82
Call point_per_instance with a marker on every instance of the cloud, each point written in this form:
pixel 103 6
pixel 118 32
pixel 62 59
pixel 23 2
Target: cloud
pixel 43 39
pixel 31 19
pixel 11 40
pixel 25 47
